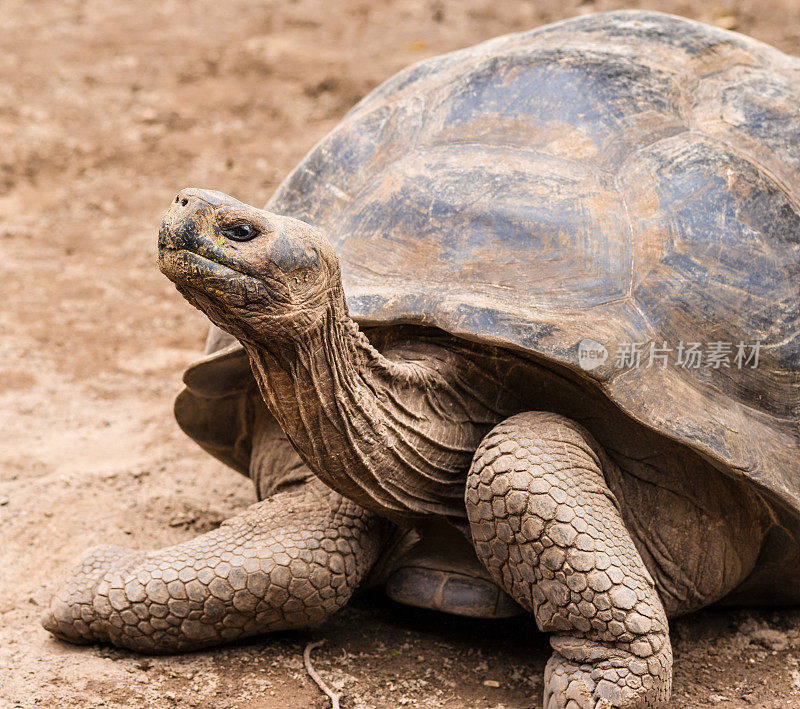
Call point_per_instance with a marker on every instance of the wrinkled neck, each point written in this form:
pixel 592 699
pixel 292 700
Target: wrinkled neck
pixel 391 433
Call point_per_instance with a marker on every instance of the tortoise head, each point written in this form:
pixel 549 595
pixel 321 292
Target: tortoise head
pixel 258 275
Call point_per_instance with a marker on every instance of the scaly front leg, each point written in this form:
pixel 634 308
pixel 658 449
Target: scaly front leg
pixel 547 527
pixel 286 562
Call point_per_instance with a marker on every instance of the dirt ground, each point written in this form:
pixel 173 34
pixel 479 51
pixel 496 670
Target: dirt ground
pixel 106 109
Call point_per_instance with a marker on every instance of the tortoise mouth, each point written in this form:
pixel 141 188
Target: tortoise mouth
pixel 187 263
pixel 189 257
pixel 187 237
pixel 187 268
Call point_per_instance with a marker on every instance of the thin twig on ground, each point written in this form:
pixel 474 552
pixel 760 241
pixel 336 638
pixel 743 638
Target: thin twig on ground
pixel 317 679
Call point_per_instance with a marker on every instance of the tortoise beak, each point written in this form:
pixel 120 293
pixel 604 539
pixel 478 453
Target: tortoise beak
pixel 187 252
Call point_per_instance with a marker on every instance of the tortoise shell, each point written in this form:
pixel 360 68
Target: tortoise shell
pixel 619 181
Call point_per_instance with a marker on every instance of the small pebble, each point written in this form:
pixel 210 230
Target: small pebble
pixel 491 683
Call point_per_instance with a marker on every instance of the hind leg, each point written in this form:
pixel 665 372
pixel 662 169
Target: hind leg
pixel 547 527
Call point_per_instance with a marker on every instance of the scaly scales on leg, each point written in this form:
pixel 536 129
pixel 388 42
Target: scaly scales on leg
pixel 286 562
pixel 547 527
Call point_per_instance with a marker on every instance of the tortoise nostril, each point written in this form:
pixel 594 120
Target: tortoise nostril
pixel 184 197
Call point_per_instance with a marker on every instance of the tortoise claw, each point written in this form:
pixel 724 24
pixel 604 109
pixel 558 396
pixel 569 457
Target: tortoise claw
pixel 72 614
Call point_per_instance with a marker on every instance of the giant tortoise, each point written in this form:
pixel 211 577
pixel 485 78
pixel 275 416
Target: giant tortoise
pixel 535 304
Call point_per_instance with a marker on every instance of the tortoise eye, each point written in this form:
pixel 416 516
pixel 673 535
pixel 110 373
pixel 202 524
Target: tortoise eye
pixel 240 232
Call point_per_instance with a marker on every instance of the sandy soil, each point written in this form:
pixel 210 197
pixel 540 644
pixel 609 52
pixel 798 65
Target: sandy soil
pixel 106 109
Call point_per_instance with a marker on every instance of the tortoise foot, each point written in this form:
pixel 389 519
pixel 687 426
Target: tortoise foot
pixel 620 679
pixel 72 614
